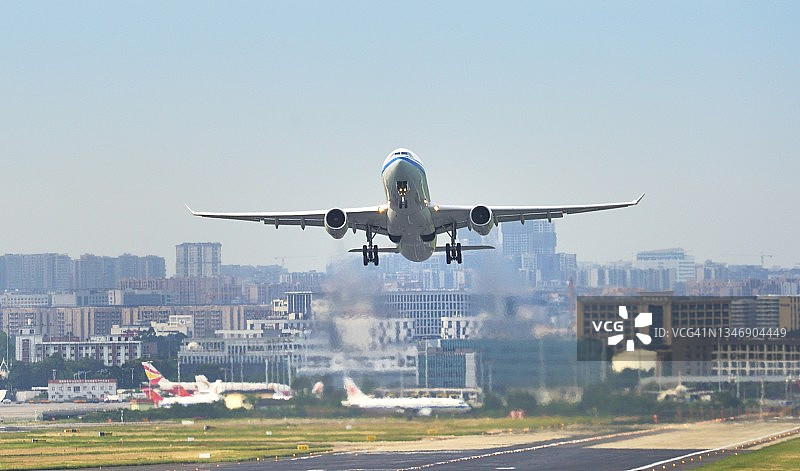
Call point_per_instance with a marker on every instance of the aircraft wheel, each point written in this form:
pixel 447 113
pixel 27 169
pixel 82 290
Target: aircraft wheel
pixel 448 253
pixel 365 254
pixel 458 252
pixel 375 255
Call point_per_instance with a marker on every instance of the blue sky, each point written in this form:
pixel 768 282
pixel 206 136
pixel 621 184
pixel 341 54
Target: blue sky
pixel 115 115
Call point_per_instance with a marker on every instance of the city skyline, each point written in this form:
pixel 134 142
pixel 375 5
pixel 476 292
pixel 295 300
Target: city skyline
pixel 170 269
pixel 116 116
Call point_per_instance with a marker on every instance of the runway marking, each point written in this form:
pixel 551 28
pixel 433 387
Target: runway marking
pixel 530 448
pixel 506 467
pixel 692 455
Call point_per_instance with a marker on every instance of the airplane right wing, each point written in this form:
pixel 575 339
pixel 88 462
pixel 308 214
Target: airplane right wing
pixel 445 217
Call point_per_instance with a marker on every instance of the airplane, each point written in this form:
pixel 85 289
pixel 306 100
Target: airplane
pixel 419 405
pixel 202 384
pixel 409 217
pixel 206 397
pixel 156 379
pixel 280 391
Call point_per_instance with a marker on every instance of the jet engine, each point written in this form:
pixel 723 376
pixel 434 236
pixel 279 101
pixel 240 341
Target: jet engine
pixel 481 220
pixel 336 223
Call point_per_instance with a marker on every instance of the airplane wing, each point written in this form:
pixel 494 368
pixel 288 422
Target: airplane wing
pixel 444 217
pixel 357 218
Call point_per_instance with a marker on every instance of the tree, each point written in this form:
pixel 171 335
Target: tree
pixel 368 385
pixel 522 400
pixel 302 384
pixel 6 346
pixel 5 343
pixel 492 402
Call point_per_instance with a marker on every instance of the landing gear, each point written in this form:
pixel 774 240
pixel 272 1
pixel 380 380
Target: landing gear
pixel 453 252
pixel 453 249
pixel 370 251
pixel 402 192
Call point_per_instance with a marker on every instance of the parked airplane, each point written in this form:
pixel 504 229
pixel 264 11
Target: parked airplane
pixel 409 217
pixel 280 391
pixel 156 379
pixel 418 405
pixel 202 384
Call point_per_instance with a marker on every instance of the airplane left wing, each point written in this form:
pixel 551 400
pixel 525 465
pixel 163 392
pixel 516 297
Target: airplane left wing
pixel 357 218
pixel 445 217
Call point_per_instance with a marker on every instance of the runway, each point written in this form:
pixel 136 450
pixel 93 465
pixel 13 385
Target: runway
pixel 562 455
pixel 656 448
pixel 562 458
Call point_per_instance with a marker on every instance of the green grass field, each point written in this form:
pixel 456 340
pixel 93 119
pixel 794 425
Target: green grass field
pixel 232 440
pixel 782 456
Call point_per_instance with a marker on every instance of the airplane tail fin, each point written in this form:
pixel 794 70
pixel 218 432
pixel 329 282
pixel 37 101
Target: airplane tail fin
pixel 217 387
pixel 153 375
pixel 202 383
pixel 352 390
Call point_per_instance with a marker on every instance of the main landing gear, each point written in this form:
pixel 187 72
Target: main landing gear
pixel 370 251
pixel 453 250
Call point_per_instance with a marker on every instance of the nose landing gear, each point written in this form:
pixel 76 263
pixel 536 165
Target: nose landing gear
pixel 370 251
pixel 453 249
pixel 402 191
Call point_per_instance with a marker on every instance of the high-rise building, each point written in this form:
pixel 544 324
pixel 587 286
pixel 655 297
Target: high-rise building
pixel 532 247
pixel 426 309
pixel 94 272
pixel 100 272
pixel 672 259
pixel 534 237
pixel 3 282
pixel 36 273
pixel 133 266
pixel 438 368
pixel 110 350
pixel 198 259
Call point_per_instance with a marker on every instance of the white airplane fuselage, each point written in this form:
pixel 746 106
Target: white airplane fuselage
pixel 433 404
pixel 420 405
pixel 409 215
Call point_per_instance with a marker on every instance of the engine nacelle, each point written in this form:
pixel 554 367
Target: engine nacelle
pixel 336 223
pixel 481 220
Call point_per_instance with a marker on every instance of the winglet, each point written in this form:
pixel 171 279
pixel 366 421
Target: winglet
pixel 195 214
pixel 637 200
